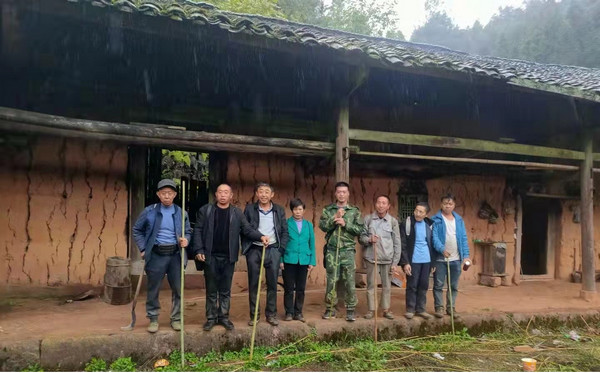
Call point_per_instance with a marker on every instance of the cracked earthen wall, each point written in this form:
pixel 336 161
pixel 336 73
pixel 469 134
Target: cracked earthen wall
pixel 569 254
pixel 292 179
pixel 64 205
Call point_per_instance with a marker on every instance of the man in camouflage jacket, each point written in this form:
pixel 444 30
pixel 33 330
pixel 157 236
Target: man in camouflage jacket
pixel 341 222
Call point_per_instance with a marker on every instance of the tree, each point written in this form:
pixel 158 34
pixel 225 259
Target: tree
pixel 267 8
pixel 549 31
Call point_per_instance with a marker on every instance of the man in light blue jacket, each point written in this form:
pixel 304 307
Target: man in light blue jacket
pixel 451 244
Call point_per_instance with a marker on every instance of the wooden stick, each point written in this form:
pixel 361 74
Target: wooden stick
pixel 182 302
pixel 450 296
pixel 335 269
pixel 375 286
pixel 260 274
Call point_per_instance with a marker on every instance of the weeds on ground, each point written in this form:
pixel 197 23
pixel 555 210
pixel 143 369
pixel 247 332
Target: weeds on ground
pixel 33 368
pixel 123 364
pixel 554 351
pixel 95 365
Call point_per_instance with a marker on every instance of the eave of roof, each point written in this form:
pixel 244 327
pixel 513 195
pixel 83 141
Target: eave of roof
pixel 571 81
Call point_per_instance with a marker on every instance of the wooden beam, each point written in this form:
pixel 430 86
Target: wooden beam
pixel 588 257
pixel 465 144
pixel 26 121
pixel 538 165
pixel 205 146
pixel 342 143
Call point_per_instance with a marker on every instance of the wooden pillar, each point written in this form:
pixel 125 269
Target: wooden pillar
pixel 342 143
pixel 588 290
pixel 518 241
pixel 137 200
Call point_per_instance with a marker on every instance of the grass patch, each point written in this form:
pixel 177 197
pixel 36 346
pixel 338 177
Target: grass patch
pixel 553 349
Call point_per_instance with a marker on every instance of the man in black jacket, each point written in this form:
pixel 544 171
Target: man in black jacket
pixel 269 219
pixel 216 242
pixel 417 252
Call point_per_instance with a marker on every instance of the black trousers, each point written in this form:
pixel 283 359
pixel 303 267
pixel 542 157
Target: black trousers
pixel 294 279
pixel 416 287
pixel 218 274
pixel 253 257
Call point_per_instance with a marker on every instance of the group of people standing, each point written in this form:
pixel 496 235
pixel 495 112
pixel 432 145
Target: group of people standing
pixel 418 245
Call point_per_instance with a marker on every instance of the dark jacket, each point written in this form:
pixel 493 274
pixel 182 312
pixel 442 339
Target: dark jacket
pixel 281 226
pixel 148 223
pixel 205 228
pixel 408 240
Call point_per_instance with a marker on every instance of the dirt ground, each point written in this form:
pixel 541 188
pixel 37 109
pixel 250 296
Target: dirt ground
pixel 34 319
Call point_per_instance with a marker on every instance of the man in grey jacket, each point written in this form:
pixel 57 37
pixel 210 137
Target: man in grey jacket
pixel 381 233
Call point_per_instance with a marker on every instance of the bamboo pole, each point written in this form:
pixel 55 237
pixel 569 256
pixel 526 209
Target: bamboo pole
pixel 182 301
pixel 260 274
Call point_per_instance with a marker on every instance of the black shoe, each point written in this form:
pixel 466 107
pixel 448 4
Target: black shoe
pixel 208 325
pixel 288 317
pixel 272 320
pixel 350 315
pixel 299 317
pixel 227 324
pixel 329 314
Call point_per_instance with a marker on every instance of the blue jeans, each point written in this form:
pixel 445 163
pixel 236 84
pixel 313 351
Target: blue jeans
pixel 441 272
pixel 156 269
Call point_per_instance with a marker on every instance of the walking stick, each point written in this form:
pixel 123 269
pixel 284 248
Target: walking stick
pixel 375 285
pixel 450 296
pixel 135 296
pixel 337 260
pixel 182 302
pixel 260 274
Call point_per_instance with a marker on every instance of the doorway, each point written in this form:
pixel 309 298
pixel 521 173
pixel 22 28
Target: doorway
pixel 540 235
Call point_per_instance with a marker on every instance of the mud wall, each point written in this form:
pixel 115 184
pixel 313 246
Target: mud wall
pixel 470 192
pixel 64 212
pixel 313 183
pixel 569 253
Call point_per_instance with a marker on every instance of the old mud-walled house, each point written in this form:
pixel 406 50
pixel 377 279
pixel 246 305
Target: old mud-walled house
pixel 99 98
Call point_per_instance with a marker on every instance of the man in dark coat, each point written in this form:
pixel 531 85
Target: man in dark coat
pixel 216 243
pixel 269 219
pixel 417 254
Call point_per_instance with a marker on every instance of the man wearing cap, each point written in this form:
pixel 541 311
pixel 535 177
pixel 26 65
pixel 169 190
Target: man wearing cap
pixel 157 233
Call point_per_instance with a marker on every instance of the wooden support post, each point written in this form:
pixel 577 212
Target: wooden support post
pixel 518 241
pixel 342 143
pixel 588 290
pixel 137 200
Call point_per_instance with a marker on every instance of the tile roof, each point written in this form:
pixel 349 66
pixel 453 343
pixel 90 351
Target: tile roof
pixel 569 80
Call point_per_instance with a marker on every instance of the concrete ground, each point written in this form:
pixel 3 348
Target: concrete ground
pixel 54 333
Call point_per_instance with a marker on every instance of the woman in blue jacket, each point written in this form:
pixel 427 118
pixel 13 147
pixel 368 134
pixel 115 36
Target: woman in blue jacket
pixel 298 259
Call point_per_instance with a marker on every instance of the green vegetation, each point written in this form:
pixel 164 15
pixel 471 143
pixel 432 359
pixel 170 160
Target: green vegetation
pixel 368 17
pixel 33 368
pixel 95 365
pixel 554 351
pixel 123 364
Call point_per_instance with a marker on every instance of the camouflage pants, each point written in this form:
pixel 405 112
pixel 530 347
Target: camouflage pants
pixel 343 273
